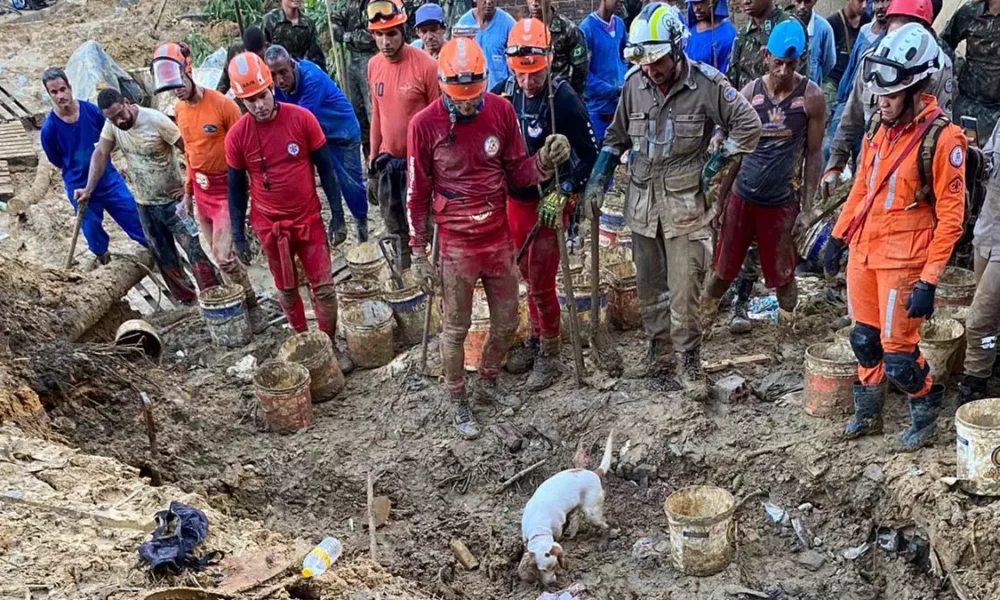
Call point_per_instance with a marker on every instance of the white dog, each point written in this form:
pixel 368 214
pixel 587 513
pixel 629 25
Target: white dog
pixel 546 512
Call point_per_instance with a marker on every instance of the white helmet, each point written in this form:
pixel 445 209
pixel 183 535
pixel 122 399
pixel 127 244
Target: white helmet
pixel 656 31
pixel 904 57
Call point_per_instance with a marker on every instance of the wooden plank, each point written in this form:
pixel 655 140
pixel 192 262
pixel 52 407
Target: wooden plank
pixel 6 183
pixel 25 109
pixel 15 145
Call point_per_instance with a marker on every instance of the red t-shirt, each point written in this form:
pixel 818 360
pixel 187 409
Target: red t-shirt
pixel 278 152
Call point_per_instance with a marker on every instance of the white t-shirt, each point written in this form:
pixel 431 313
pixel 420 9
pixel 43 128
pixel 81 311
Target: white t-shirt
pixel 149 153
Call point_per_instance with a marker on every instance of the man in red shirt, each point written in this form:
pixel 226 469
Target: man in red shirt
pixel 462 151
pixel 278 145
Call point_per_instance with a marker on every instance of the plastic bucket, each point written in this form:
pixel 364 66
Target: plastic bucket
pixel 581 293
pixel 366 262
pixel 701 529
pixel 939 343
pixel 283 391
pixel 355 291
pixel 368 329
pixel 843 334
pixel 314 351
pixel 623 299
pixel 480 327
pixel 225 314
pixel 140 334
pixel 960 314
pixel 474 342
pixel 830 373
pixel 409 306
pixel 977 425
pixel 956 287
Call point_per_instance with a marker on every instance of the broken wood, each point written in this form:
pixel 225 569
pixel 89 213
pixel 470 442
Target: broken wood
pixel 154 453
pixel 372 544
pixel 729 363
pixel 518 476
pixel 381 506
pixel 464 556
pixel 31 196
pixel 767 449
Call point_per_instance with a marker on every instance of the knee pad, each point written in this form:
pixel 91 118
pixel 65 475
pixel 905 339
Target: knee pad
pixel 904 370
pixel 867 345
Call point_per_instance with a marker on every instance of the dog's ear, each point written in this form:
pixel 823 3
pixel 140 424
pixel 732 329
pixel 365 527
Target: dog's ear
pixel 527 569
pixel 557 551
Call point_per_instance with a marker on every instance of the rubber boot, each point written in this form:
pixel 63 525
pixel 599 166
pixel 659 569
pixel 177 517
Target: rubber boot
pixel 545 368
pixel 104 258
pixel 971 388
pixel 740 323
pixel 465 420
pixel 343 361
pixel 361 230
pixel 486 391
pixel 339 236
pixel 923 419
pixel 867 419
pixel 522 359
pixel 692 378
pixel 659 359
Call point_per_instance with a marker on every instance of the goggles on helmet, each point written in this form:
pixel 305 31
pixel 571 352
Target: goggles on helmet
pixel 887 73
pixel 462 78
pixel 516 51
pixel 381 10
pixel 636 52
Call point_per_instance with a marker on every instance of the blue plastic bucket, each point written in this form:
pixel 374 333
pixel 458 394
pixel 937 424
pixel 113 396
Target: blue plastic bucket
pixel 225 314
pixel 409 305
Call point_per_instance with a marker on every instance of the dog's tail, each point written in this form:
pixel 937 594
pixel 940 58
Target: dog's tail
pixel 605 465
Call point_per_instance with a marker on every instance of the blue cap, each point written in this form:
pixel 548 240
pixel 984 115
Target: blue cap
pixel 429 13
pixel 787 40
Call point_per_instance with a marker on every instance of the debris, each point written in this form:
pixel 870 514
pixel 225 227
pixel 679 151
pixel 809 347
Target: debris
pixel 805 507
pixel 736 590
pixel 518 476
pixel 643 548
pixel 510 436
pixel 767 450
pixel 889 540
pixel 381 506
pixel 645 471
pixel 321 557
pixel 244 368
pixel 763 309
pixel 874 472
pixel 179 530
pixel 801 527
pixel 776 514
pixel 461 552
pixel 729 363
pixel 857 551
pixel 811 560
pixel 90 70
pixel 778 384
pixel 730 389
pixel 372 542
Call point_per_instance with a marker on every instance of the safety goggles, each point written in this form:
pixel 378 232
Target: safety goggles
pixel 462 78
pixel 381 10
pixel 888 73
pixel 518 51
pixel 646 53
pixel 167 75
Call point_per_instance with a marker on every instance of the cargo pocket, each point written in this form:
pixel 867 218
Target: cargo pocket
pixel 685 202
pixel 689 135
pixel 908 239
pixel 637 133
pixel 637 202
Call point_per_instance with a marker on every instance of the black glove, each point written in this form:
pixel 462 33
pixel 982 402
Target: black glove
pixel 242 249
pixel 921 300
pixel 336 232
pixel 831 256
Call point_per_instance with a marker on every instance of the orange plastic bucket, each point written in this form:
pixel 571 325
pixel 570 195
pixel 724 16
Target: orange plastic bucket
pixel 830 373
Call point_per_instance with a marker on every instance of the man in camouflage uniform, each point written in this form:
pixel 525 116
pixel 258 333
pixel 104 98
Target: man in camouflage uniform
pixel 351 28
pixel 570 56
pixel 290 27
pixel 977 23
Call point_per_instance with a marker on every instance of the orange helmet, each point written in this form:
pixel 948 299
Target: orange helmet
pixel 385 14
pixel 248 75
pixel 170 63
pixel 462 69
pixel 528 46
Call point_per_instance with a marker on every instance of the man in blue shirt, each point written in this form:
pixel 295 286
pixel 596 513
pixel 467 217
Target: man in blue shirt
pixel 69 135
pixel 822 50
pixel 494 27
pixel 606 38
pixel 302 83
pixel 712 33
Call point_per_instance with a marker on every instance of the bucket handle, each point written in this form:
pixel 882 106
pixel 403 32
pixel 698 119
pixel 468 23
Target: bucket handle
pixel 396 259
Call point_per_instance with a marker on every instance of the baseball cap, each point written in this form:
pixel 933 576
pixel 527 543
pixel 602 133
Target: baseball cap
pixel 429 13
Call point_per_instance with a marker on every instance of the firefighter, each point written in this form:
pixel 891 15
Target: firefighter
pixel 900 231
pixel 463 149
pixel 527 89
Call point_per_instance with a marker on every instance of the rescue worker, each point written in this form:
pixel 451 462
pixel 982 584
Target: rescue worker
pixel 976 23
pixel 527 89
pixel 668 110
pixel 606 37
pixel 900 231
pixel 463 150
pixel 712 33
pixel 252 41
pixel 69 135
pixel 771 184
pixel 302 83
pixel 351 29
pixel 203 119
pixel 570 56
pixel 277 146
pixel 403 81
pixel 431 29
pixel 289 26
pixel 148 138
pixel 494 26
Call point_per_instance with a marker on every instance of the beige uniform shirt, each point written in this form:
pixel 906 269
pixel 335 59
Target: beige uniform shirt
pixel 669 136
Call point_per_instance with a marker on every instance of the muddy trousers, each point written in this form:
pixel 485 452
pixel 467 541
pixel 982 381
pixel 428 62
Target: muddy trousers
pixel 983 324
pixel 162 227
pixel 669 274
pixel 212 211
pixel 392 205
pixel 461 268
pixel 305 239
pixel 359 94
pixel 538 267
pixel 117 201
pixel 884 339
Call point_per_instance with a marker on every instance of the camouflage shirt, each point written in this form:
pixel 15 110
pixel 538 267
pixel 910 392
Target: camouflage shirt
pixel 570 56
pixel 747 61
pixel 352 20
pixel 300 39
pixel 979 79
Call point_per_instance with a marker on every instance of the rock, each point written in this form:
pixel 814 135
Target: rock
pixel 874 473
pixel 64 424
pixel 244 368
pixel 889 540
pixel 811 560
pixel 805 507
pixel 731 388
pixel 645 471
pixel 662 546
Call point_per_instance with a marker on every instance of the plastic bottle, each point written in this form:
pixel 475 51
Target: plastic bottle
pixel 321 557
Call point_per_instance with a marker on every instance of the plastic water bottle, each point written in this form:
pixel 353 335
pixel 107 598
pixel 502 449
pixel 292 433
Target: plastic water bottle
pixel 321 557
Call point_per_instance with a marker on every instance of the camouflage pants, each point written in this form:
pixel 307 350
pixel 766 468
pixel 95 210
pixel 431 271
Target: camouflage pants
pixel 986 115
pixel 359 95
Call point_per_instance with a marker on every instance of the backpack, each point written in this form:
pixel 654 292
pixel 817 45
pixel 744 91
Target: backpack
pixel 925 164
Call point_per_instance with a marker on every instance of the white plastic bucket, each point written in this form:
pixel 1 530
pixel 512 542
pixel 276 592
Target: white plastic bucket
pixel 977 425
pixel 701 529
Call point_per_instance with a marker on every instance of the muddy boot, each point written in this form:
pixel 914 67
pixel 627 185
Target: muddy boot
pixel 489 392
pixel 923 419
pixel 361 230
pixel 867 419
pixel 971 388
pixel 104 258
pixel 545 368
pixel 522 359
pixel 692 378
pixel 343 361
pixel 659 360
pixel 465 420
pixel 740 322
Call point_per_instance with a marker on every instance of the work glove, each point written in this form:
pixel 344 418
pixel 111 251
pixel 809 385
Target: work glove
pixel 551 208
pixel 830 182
pixel 831 257
pixel 921 300
pixel 336 232
pixel 424 273
pixel 716 164
pixel 555 151
pixel 242 250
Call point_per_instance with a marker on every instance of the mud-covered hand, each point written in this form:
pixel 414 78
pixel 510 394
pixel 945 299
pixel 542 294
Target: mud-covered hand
pixel 716 164
pixel 241 247
pixel 336 232
pixel 921 300
pixel 832 255
pixel 555 151
pixel 829 183
pixel 593 194
pixel 425 273
pixel 551 208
